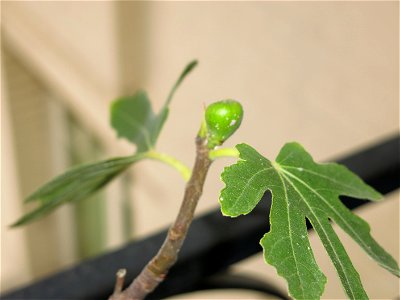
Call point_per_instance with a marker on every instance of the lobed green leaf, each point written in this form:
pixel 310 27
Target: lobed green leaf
pixel 303 189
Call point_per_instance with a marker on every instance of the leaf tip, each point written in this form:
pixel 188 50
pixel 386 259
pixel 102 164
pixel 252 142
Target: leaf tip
pixel 30 198
pixel 13 225
pixel 192 64
pixel 376 196
pixel 21 221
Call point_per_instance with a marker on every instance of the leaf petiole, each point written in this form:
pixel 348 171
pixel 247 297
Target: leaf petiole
pixel 171 161
pixel 223 152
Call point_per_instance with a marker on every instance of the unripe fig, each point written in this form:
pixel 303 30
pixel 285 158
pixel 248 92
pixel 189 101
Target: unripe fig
pixel 223 118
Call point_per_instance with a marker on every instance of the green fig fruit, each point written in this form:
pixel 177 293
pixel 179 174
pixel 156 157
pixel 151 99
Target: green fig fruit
pixel 222 118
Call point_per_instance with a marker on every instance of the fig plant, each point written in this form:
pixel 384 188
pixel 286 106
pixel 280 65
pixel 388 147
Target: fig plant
pixel 301 189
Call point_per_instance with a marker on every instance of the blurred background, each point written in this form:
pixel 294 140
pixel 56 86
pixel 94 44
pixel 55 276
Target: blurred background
pixel 321 73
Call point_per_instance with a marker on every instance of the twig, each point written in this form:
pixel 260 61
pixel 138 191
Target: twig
pixel 156 270
pixel 119 281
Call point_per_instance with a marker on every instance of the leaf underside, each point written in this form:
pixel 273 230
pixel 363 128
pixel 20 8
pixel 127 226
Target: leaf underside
pixel 74 185
pixel 303 189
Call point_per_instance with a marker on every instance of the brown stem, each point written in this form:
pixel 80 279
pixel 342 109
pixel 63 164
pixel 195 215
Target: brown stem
pixel 156 270
pixel 119 281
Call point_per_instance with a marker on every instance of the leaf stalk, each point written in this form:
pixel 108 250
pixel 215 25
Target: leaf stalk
pixel 223 152
pixel 170 161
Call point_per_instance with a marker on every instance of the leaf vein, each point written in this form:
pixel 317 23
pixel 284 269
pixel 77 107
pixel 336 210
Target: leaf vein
pixel 325 233
pixel 290 233
pixel 338 215
pixel 320 175
pixel 248 183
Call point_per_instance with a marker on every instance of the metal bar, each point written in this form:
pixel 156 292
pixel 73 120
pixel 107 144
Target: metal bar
pixel 243 282
pixel 205 251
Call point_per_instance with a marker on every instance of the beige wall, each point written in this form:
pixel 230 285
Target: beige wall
pixel 323 74
pixel 13 243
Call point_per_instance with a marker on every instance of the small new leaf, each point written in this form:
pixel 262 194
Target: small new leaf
pixel 303 189
pixel 163 114
pixel 133 117
pixel 74 185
